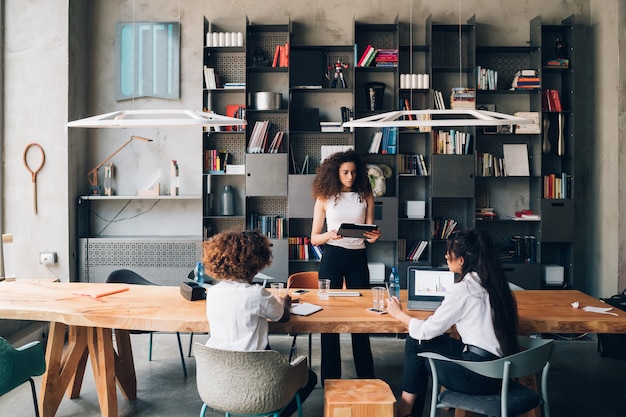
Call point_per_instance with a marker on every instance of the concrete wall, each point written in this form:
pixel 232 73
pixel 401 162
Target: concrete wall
pixel 59 68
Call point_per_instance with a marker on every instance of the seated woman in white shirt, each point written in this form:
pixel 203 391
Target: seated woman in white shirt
pixel 484 311
pixel 238 310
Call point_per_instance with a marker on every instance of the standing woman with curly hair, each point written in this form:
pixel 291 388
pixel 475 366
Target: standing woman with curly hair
pixel 343 194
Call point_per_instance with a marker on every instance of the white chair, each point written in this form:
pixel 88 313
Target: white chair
pixel 514 398
pixel 248 383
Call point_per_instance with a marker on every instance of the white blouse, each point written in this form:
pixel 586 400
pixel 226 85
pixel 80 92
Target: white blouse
pixel 467 306
pixel 238 315
pixel 346 209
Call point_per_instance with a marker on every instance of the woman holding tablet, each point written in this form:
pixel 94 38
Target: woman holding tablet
pixel 343 194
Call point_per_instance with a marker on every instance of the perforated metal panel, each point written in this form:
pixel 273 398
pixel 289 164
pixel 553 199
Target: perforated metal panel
pixel 231 66
pixel 268 206
pixel 231 142
pixel 311 144
pixel 162 261
pixel 446 49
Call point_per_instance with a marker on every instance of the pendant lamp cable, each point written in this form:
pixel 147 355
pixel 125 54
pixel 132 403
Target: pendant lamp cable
pixel 460 52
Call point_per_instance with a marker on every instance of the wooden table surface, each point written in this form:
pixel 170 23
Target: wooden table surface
pixel 162 308
pixel 90 323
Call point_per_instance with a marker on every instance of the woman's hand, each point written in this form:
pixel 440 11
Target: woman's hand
pixel 332 235
pixel 394 307
pixel 372 236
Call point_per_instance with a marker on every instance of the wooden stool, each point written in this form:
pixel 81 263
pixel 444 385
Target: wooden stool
pixel 358 398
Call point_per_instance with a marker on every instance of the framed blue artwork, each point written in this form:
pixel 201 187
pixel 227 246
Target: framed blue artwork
pixel 147 60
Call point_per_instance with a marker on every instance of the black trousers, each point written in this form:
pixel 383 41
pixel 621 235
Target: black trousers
pixel 451 376
pixel 338 264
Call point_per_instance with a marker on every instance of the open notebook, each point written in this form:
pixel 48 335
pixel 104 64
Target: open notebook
pixel 427 287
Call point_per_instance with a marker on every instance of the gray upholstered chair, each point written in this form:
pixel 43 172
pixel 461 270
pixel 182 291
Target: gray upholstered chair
pixel 514 398
pixel 20 365
pixel 248 383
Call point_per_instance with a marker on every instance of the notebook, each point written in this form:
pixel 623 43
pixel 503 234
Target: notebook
pixel 427 287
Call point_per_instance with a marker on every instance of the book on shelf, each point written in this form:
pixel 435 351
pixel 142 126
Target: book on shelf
pixel 258 137
pixel 327 150
pixel 232 86
pixel 443 228
pixel 439 103
pixel 375 142
pixel 551 100
pixel 237 111
pixel 275 145
pixel 316 250
pixel 330 126
pixel 281 56
pixel 364 55
pixel 452 142
pixel 416 250
pixel 487 79
pixel 299 247
pixel 211 78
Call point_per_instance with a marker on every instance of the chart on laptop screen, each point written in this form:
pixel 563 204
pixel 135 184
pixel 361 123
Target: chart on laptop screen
pixel 431 283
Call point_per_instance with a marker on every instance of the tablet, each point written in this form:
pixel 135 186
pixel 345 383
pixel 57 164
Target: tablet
pixel 355 229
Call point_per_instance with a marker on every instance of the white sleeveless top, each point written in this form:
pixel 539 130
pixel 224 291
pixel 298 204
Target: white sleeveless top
pixel 348 209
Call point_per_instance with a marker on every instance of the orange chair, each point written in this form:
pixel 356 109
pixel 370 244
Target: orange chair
pixel 306 280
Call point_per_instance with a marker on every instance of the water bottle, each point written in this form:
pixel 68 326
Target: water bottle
pixel 394 283
pixel 199 272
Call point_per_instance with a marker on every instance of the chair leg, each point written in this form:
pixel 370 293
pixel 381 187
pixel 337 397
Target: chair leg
pixel 182 355
pixel 190 344
pixel 32 388
pixel 150 348
pixel 310 350
pixel 299 403
pixel 293 347
pixel 203 410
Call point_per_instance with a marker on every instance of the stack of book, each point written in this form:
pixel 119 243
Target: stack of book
pixel 331 127
pixel 215 161
pixel 526 79
pixel 416 250
pixel 233 86
pixel 281 56
pixel 271 226
pixel 551 101
pixel 489 165
pixel 443 228
pixel 485 213
pixel 452 142
pixel 463 98
pixel 557 63
pixel 299 247
pixel 487 79
pixel 384 141
pixel 386 57
pixel 412 165
pixel 557 186
pixel 211 78
pixel 367 57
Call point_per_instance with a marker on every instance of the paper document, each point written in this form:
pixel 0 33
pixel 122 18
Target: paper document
pixel 304 309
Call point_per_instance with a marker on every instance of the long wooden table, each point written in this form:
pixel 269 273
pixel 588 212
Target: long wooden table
pixel 91 321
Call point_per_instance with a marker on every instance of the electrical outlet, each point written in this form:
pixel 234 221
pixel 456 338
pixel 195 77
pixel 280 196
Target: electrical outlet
pixel 47 258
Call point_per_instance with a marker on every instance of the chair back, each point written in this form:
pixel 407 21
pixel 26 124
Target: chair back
pixel 247 382
pixel 307 279
pixel 126 276
pixel 534 357
pixel 18 365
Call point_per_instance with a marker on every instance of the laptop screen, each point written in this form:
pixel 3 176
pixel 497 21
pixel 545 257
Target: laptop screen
pixel 428 284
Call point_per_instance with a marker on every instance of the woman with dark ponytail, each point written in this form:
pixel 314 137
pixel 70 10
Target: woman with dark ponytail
pixel 484 311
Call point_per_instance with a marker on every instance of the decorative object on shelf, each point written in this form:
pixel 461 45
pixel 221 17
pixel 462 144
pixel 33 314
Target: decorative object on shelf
pixel 560 47
pixel 259 59
pixel 92 176
pixel 267 100
pixel 377 180
pixel 108 179
pixel 560 143
pixel 174 184
pixel 545 146
pixel 374 93
pixel 526 129
pixel 227 201
pixel 338 80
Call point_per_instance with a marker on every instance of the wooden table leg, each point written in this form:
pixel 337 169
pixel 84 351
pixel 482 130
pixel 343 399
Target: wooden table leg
pixel 61 366
pixel 66 367
pixel 100 344
pixel 124 365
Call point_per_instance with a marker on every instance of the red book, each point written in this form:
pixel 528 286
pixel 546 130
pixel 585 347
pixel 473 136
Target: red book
pixel 556 101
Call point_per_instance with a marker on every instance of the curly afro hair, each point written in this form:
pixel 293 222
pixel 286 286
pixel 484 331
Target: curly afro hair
pixel 327 184
pixel 236 256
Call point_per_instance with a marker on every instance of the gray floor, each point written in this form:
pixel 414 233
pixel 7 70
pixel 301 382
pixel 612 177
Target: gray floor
pixel 581 382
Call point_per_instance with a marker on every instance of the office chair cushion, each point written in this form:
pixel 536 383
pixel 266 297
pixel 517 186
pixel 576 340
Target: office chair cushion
pixel 520 400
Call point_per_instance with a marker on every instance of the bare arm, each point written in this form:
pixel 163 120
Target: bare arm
pixel 319 215
pixel 372 236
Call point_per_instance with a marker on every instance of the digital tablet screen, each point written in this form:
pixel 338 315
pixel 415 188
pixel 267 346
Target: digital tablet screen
pixel 355 229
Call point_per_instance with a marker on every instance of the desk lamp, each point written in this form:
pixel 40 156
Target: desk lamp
pixel 92 176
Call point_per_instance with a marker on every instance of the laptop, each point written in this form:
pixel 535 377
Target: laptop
pixel 427 287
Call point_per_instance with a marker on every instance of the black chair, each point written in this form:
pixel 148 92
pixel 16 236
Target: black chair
pixel 126 276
